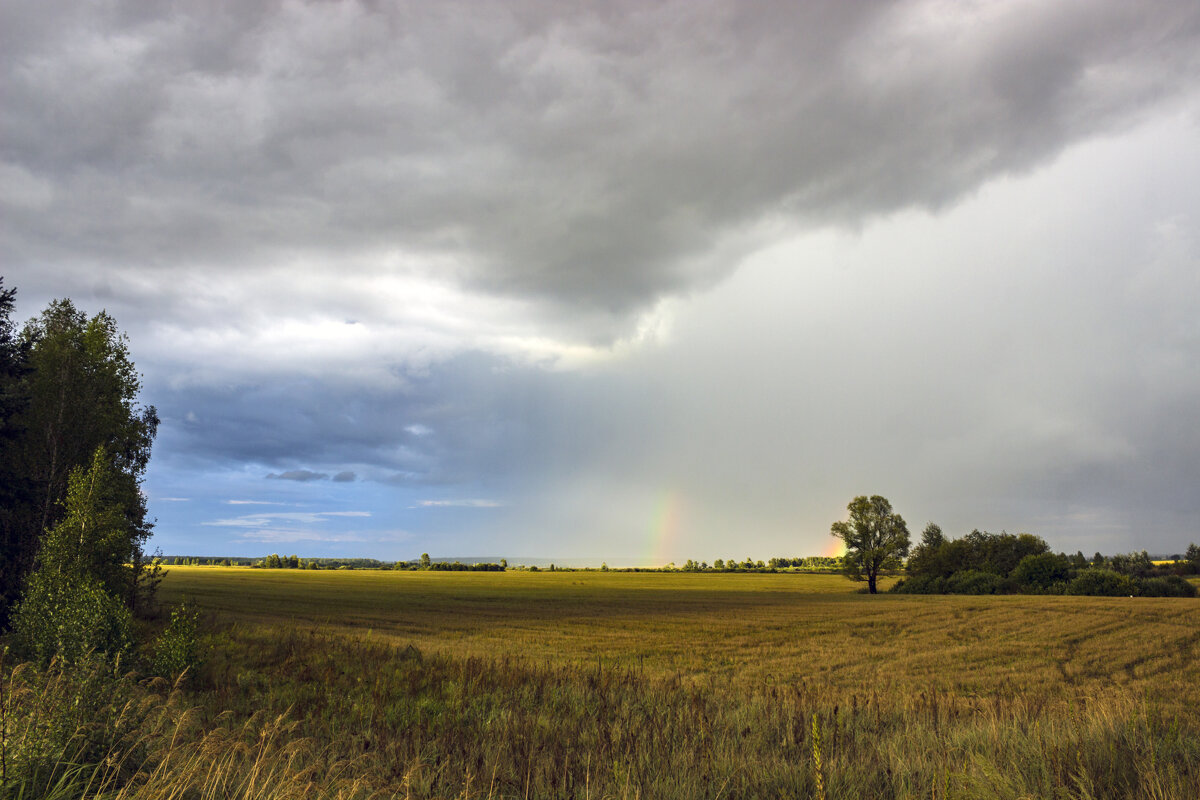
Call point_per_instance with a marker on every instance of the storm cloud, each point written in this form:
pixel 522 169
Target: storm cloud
pixel 599 157
pixel 511 274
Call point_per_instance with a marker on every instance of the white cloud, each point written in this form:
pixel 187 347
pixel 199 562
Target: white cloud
pixel 353 538
pixel 296 517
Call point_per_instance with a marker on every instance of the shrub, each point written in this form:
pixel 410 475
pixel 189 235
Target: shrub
pixel 69 726
pixel 1169 586
pixel 921 584
pixel 178 648
pixel 973 581
pixel 65 616
pixel 1039 572
pixel 1102 583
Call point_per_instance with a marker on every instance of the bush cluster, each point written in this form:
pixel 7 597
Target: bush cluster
pixel 1001 563
pixel 67 616
pixel 178 648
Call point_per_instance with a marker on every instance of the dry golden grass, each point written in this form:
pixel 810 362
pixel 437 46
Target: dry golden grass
pixel 752 628
pixel 603 685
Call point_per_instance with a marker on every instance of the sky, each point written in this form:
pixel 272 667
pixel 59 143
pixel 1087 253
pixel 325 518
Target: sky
pixel 634 282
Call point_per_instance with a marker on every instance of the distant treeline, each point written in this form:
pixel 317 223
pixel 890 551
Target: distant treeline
pixel 276 561
pixel 1001 563
pixel 803 564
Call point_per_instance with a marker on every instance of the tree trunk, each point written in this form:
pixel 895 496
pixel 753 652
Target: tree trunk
pixel 871 582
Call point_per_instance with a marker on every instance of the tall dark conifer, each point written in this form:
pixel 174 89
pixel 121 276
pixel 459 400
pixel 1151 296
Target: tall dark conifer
pixel 15 487
pixel 79 390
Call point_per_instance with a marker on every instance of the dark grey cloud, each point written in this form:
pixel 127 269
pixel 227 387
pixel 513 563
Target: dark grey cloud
pixel 301 475
pixel 596 158
pixel 463 418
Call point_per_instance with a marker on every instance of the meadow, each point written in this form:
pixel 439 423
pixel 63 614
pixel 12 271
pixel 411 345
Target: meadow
pixel 655 685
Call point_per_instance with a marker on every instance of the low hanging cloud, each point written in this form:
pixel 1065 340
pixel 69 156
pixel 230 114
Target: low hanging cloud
pixel 459 504
pixel 303 526
pixel 266 519
pixel 301 475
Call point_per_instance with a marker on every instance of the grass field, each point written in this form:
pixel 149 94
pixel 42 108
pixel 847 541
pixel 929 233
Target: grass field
pixel 752 628
pixel 589 685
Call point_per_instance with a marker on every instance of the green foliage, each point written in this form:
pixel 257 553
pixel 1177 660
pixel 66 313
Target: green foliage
pixel 1191 563
pixel 178 647
pixel 1048 573
pixel 988 563
pixel 922 584
pixel 958 566
pixel 78 393
pixel 1136 565
pixel 805 563
pixel 93 537
pixel 458 566
pixel 1166 586
pixel 1102 583
pixel 1037 573
pixel 997 553
pixel 929 559
pixel 876 538
pixel 974 581
pixel 72 602
pixel 66 615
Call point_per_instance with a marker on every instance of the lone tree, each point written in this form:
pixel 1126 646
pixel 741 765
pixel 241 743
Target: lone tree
pixel 876 538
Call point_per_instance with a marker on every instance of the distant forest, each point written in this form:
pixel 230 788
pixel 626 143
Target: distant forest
pixel 276 561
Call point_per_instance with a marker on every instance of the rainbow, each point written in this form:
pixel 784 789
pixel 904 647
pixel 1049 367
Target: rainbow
pixel 836 549
pixel 664 529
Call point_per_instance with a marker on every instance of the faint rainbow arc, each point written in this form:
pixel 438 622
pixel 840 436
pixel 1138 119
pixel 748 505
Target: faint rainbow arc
pixel 836 549
pixel 664 528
